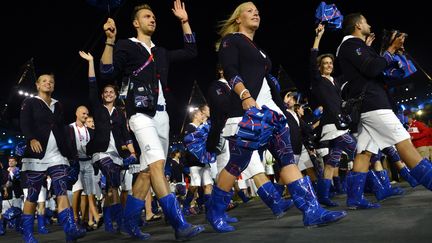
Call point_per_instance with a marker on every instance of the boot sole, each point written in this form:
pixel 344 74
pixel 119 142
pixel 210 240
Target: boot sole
pixel 191 236
pixel 324 224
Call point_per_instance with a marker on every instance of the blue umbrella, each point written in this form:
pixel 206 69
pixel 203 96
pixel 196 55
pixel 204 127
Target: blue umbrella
pixel 330 15
pixel 105 4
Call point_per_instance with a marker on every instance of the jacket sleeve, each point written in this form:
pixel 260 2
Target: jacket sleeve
pixel 189 50
pixel 365 59
pixel 111 72
pixel 93 93
pixel 229 59
pixel 313 68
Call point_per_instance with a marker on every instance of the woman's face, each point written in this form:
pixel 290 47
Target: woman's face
pixel 249 17
pixel 326 66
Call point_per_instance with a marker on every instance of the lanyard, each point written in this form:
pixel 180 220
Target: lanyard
pixel 79 134
pixel 136 72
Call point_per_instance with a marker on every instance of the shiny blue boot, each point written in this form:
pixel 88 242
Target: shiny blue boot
pixel 26 223
pixel 406 174
pixel 338 185
pixel 2 228
pixel 374 182
pixel 422 172
pixel 71 229
pixel 107 220
pixel 186 204
pixel 273 199
pixel 215 214
pixel 385 181
pixel 228 219
pixel 131 218
pixel 42 229
pixel 172 211
pixel 355 187
pixel 305 200
pixel 324 192
pixel 243 196
pixel 116 216
pixel 279 188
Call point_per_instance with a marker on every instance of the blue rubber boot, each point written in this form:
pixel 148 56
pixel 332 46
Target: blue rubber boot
pixel 116 216
pixel 186 204
pixel 243 196
pixel 406 174
pixel 172 211
pixel 385 181
pixel 26 223
pixel 2 228
pixel 107 220
pixel 279 188
pixel 381 192
pixel 338 185
pixel 71 229
pixel 422 172
pixel 131 218
pixel 324 191
pixel 305 200
pixel 228 219
pixel 215 214
pixel 273 199
pixel 42 229
pixel 355 187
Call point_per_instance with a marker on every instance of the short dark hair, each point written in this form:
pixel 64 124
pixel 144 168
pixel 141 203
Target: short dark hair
pixel 111 86
pixel 138 8
pixel 349 22
pixel 322 56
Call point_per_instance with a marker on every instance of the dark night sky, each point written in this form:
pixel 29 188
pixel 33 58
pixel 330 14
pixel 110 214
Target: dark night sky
pixel 52 32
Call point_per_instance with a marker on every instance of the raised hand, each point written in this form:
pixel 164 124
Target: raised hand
pixel 319 30
pixel 86 55
pixel 110 29
pixel 36 146
pixel 179 11
pixel 369 39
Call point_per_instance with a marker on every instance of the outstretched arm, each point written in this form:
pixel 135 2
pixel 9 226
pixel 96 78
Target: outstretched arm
pixel 179 11
pixel 87 56
pixel 93 89
pixel 319 31
pixel 110 32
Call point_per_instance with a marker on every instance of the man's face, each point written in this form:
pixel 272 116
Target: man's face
pixel 12 162
pixel 145 21
pixel 82 114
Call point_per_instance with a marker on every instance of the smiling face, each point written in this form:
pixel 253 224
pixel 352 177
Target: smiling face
pixel 326 65
pixel 81 114
pixel 248 18
pixel 45 83
pixel 109 95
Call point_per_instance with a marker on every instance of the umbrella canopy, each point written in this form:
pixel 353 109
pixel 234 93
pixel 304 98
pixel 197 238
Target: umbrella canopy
pixel 330 15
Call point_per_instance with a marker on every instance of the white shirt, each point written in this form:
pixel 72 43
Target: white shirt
pixel 82 137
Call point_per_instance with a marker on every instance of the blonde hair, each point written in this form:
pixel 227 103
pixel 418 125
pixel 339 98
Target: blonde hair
pixel 230 25
pixel 45 74
pixel 138 8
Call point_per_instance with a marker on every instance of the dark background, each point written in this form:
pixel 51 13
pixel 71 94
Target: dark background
pixel 52 33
